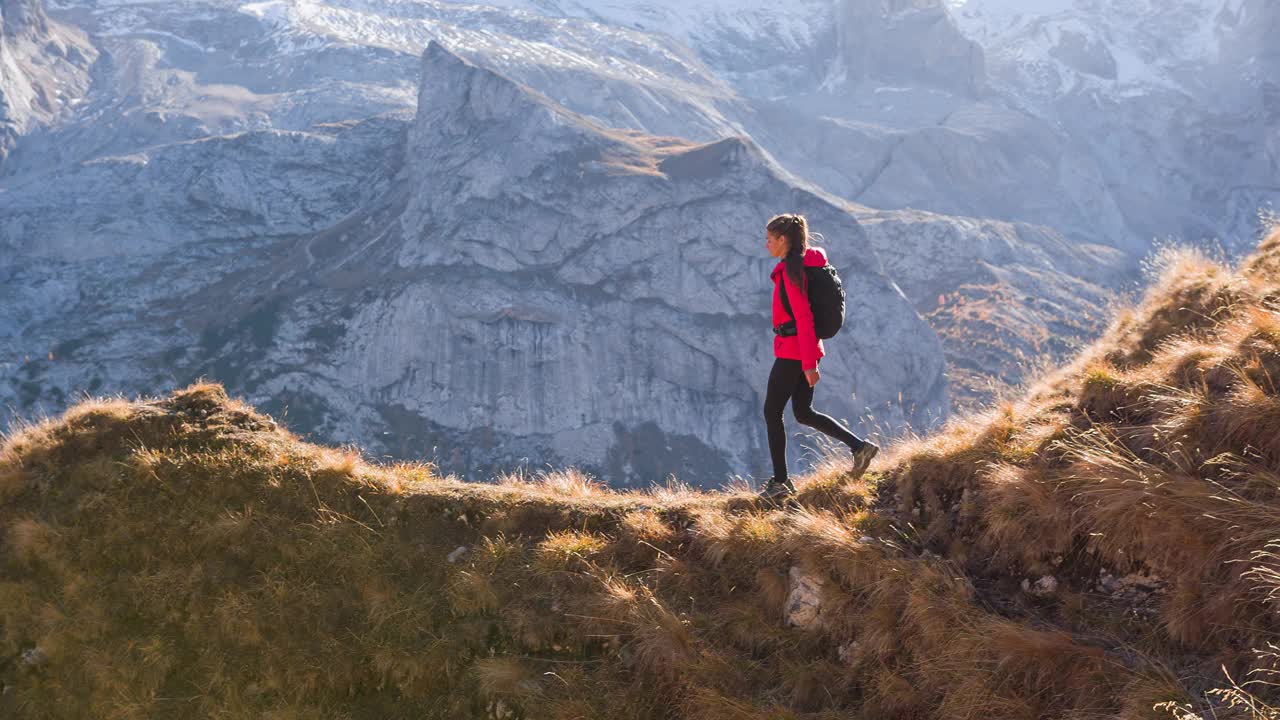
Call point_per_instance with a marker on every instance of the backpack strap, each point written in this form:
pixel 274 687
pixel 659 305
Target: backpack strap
pixel 782 289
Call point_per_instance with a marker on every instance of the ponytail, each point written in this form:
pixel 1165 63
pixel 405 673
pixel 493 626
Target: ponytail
pixel 795 229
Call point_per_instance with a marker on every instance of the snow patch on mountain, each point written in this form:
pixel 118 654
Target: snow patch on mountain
pixel 275 12
pixel 795 24
pixel 509 37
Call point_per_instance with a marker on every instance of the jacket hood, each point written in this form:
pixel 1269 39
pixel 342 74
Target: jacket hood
pixel 813 257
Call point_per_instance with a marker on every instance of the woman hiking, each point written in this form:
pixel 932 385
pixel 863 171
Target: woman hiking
pixel 798 350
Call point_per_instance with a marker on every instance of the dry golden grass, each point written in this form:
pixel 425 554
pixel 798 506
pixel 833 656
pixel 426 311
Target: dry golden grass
pixel 185 557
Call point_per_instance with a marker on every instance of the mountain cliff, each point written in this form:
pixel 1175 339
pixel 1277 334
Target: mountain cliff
pixel 615 276
pixel 44 70
pixel 1174 101
pixel 496 279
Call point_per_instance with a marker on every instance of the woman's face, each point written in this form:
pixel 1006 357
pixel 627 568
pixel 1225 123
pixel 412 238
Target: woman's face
pixel 778 245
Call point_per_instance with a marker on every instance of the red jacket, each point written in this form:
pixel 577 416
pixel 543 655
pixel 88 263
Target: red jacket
pixel 805 345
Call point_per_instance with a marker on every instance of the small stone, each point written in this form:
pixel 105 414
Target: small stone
pixel 33 657
pixel 1107 583
pixel 803 608
pixel 849 651
pixel 1045 586
pixel 457 554
pixel 1137 585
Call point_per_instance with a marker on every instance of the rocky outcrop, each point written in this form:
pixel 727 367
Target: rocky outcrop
pixel 43 70
pixel 1250 45
pixel 248 186
pixel 502 282
pixel 910 42
pixel 949 156
pixel 1174 103
pixel 23 18
pixel 606 293
pixel 189 217
pixel 803 608
pixel 1002 296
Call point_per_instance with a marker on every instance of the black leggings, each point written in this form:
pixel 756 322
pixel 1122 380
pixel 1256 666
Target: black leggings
pixel 787 382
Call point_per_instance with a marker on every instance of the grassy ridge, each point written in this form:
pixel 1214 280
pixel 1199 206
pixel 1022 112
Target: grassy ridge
pixel 186 557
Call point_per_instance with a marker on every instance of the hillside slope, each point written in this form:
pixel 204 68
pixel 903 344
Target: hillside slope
pixel 1070 555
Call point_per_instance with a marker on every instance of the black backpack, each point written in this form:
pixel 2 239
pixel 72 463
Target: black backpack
pixel 826 299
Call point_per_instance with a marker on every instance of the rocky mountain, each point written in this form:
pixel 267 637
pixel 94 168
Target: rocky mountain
pixel 200 68
pixel 1116 123
pixel 599 297
pixel 256 192
pixel 638 342
pixel 1005 298
pixel 1177 102
pixel 43 70
pixel 1013 113
pixel 885 104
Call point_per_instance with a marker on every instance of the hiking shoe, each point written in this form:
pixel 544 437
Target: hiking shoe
pixel 775 490
pixel 862 457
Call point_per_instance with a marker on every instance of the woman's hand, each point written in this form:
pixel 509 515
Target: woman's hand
pixel 812 376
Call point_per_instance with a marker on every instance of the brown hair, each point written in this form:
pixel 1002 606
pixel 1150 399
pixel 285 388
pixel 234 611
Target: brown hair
pixel 796 229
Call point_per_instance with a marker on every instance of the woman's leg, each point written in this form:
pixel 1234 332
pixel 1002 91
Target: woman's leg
pixel 782 383
pixel 802 407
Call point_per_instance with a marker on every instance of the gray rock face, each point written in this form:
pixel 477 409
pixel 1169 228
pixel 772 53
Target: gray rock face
pixel 502 278
pixel 201 68
pixel 270 183
pixel 947 155
pixel 1085 54
pixel 43 70
pixel 652 291
pixel 908 42
pixel 1003 297
pixel 1171 100
pixel 23 18
pixel 446 264
pixel 1254 43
